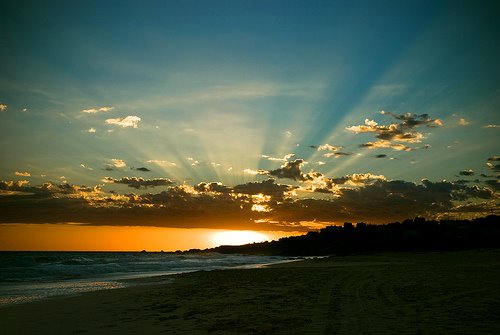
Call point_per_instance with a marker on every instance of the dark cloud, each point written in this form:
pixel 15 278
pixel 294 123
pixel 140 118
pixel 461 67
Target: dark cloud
pixel 492 165
pixel 393 135
pixel 337 154
pixel 290 170
pixel 212 187
pixel 254 205
pixel 468 172
pixel 266 187
pixel 493 183
pixel 383 201
pixel 410 120
pixel 138 183
pixel 143 169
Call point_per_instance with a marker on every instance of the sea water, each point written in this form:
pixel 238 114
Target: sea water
pixel 30 276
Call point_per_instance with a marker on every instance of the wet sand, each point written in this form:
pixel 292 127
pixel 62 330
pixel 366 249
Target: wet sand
pixel 403 293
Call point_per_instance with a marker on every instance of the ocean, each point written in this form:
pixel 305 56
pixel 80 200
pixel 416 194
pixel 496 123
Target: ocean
pixel 31 276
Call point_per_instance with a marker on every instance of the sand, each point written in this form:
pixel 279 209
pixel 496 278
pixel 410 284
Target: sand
pixel 422 293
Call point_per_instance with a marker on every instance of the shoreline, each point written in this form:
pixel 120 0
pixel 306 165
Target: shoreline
pixel 451 292
pixel 85 274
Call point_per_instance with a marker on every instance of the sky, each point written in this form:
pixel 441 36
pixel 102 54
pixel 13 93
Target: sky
pixel 199 117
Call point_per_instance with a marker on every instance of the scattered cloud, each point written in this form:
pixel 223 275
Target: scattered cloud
pixel 334 150
pixel 337 154
pixel 119 163
pixel 3 107
pixel 23 174
pixel 288 134
pixel 138 183
pixel 129 121
pixel 115 164
pixel 193 161
pixel 98 109
pixel 463 122
pixel 401 132
pixel 386 144
pixel 328 147
pixel 91 130
pixel 86 167
pixel 492 126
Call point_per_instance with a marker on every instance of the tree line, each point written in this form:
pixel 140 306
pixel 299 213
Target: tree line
pixel 416 234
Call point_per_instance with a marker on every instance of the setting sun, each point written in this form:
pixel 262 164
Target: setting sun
pixel 237 237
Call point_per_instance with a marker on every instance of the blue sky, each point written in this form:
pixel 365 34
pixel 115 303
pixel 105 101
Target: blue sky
pixel 225 91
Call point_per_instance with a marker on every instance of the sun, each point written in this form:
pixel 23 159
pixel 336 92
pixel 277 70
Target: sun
pixel 237 237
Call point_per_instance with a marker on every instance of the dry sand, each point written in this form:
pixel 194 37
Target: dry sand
pixel 424 293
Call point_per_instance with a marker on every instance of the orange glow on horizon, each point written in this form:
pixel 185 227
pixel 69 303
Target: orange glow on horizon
pixel 77 237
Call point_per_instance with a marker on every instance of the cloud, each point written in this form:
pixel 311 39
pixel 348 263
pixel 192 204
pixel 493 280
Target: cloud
pixel 115 164
pixel 410 120
pixel 284 159
pixel 161 162
pixel 328 147
pixel 213 187
pixel 91 130
pixel 143 169
pixel 334 150
pixel 129 121
pixel 493 166
pixel 119 163
pixel 266 187
pixel 255 172
pixel 336 154
pixel 3 107
pixel 290 170
pixel 98 109
pixel 86 167
pixel 492 126
pixel 138 183
pixel 193 161
pixel 493 183
pixel 254 205
pixel 23 174
pixel 463 122
pixel 385 144
pixel 468 172
pixel 402 132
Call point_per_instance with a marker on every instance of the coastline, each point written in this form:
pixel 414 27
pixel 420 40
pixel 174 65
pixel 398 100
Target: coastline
pixel 404 293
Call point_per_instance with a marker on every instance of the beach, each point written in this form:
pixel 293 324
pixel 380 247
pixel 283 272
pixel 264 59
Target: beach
pixel 387 293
